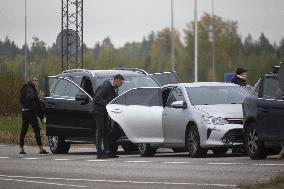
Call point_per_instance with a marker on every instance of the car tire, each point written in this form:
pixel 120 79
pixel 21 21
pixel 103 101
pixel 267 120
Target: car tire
pixel 146 150
pixel 254 147
pixel 192 142
pixel 58 145
pixel 129 147
pixel 219 151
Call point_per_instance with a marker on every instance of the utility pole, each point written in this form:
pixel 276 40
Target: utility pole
pixel 25 40
pixel 172 36
pixel 213 44
pixel 195 43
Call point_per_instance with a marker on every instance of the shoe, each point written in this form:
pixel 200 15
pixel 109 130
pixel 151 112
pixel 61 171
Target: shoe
pixel 22 152
pixel 43 152
pixel 111 156
pixel 101 157
pixel 281 157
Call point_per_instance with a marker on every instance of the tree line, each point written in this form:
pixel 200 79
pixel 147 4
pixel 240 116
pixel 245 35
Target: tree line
pixel 153 53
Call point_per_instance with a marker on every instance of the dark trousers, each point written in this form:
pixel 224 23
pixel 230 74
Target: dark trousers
pixel 102 139
pixel 29 118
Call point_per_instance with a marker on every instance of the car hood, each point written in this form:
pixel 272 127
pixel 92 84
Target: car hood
pixel 222 110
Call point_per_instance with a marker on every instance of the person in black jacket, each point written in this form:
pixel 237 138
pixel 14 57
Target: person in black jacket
pixel 240 77
pixel 103 95
pixel 31 109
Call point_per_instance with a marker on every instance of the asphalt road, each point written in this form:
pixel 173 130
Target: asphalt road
pixel 81 169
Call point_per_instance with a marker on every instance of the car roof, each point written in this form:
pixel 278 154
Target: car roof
pixel 202 84
pixel 100 73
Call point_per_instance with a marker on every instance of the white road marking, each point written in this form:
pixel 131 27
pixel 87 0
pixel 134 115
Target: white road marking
pixel 3 145
pixel 4 157
pixel 31 158
pixel 62 159
pixel 176 162
pixel 47 183
pixel 267 164
pixel 137 161
pixel 126 181
pixel 228 164
pixel 98 160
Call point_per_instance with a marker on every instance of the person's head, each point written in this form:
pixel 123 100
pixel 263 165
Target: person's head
pixel 118 80
pixel 33 80
pixel 242 72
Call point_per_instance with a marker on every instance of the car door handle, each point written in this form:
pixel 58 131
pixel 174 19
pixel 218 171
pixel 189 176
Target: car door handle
pixel 265 110
pixel 51 105
pixel 117 111
pixel 165 114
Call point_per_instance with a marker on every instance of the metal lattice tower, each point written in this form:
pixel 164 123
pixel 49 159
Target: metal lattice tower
pixel 71 34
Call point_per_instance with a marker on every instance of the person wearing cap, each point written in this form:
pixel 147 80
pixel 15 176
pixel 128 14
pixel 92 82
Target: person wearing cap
pixel 240 77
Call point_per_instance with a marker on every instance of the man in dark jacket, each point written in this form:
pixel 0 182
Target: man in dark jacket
pixel 240 77
pixel 30 106
pixel 103 95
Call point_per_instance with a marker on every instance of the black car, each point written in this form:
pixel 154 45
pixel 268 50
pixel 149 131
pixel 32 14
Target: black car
pixel 263 113
pixel 68 104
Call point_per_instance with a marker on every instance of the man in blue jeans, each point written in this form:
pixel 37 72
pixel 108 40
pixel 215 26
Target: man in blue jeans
pixel 105 93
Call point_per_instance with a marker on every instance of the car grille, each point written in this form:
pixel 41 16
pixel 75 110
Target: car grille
pixel 234 121
pixel 234 136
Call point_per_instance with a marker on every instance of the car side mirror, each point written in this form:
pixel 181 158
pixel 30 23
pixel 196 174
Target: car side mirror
pixel 179 104
pixel 82 97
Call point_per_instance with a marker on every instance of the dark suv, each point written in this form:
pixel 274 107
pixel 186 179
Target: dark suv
pixel 263 113
pixel 68 104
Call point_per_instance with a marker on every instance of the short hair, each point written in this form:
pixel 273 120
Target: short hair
pixel 239 71
pixel 118 76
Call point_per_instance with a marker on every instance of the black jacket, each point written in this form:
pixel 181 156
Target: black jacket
pixel 103 95
pixel 29 100
pixel 238 81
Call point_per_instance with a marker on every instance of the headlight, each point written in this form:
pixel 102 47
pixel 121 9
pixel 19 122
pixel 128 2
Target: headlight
pixel 214 120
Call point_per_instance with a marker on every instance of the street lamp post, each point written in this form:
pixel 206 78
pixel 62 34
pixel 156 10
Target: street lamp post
pixel 172 36
pixel 213 44
pixel 25 39
pixel 195 43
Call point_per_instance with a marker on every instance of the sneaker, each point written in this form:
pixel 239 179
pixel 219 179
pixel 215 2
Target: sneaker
pixel 101 157
pixel 43 152
pixel 22 152
pixel 281 157
pixel 111 156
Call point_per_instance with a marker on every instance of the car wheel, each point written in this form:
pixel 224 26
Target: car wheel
pixel 219 151
pixel 192 141
pixel 58 145
pixel 129 147
pixel 254 147
pixel 146 150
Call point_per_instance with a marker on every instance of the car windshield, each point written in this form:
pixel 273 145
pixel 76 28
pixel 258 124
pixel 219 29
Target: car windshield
pixel 131 82
pixel 210 95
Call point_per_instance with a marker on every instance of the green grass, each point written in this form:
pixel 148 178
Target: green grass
pixel 10 128
pixel 274 183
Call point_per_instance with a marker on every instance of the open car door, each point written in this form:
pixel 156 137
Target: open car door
pixel 139 114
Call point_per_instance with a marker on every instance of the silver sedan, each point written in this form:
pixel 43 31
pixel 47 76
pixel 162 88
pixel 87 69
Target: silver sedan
pixel 193 117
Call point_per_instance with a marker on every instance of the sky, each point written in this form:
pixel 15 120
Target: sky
pixel 130 20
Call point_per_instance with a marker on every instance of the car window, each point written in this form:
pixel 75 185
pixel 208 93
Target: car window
pixel 175 95
pixel 64 88
pixel 131 82
pixel 271 88
pixel 210 95
pixel 141 96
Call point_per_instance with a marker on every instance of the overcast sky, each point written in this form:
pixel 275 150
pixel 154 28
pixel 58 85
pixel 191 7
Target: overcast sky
pixel 129 20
